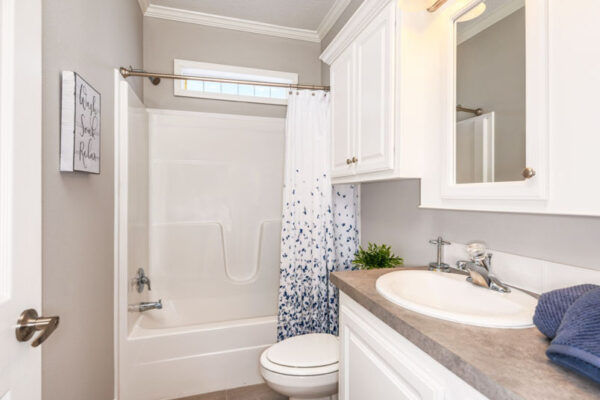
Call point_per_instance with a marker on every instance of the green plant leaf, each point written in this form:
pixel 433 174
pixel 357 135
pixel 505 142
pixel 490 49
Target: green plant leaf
pixel 376 257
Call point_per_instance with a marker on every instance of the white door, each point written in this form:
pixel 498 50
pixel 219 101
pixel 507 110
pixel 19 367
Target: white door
pixel 20 193
pixel 342 114
pixel 375 93
pixel 475 149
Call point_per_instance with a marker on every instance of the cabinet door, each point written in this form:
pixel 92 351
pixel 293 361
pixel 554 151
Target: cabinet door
pixel 376 362
pixel 372 367
pixel 375 94
pixel 342 114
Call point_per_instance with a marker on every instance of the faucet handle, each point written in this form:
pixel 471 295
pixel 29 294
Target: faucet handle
pixel 141 279
pixel 439 241
pixel 439 264
pixel 487 262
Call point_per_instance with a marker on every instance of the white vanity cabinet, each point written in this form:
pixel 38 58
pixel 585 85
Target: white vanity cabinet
pixel 376 362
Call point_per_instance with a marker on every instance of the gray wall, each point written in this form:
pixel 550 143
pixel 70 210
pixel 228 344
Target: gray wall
pixel 352 7
pixel 490 73
pixel 166 40
pixel 92 38
pixel 390 215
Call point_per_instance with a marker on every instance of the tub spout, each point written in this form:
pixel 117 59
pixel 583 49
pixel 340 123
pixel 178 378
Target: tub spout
pixel 146 305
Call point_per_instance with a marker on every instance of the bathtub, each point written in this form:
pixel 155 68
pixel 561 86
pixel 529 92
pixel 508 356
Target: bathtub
pixel 211 249
pixel 170 354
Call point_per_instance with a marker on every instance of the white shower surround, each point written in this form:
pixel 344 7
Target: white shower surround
pixel 218 286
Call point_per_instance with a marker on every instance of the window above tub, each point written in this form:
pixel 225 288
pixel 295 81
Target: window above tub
pixel 231 91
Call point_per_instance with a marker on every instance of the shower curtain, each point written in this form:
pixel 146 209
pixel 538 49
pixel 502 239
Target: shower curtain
pixel 319 231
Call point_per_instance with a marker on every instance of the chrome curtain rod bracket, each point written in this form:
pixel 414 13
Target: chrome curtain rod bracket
pixel 156 77
pixel 125 72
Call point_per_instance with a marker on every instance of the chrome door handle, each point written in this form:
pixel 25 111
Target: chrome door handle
pixel 29 322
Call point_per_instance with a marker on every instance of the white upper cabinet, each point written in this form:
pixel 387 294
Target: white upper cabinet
pixel 374 139
pixel 538 154
pixel 342 106
pixel 364 91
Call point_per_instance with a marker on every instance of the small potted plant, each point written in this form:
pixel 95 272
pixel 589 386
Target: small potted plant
pixel 376 257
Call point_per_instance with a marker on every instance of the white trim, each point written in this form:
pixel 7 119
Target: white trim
pixel 118 126
pixel 144 4
pixel 7 61
pixel 490 19
pixel 122 96
pixel 264 74
pixel 219 21
pixel 21 199
pixel 331 17
pixel 355 25
pixel 165 111
pixel 537 124
pixel 246 25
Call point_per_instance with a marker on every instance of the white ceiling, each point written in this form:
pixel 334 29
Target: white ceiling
pixel 303 14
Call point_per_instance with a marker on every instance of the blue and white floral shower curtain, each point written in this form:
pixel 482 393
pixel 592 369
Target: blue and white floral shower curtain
pixel 319 225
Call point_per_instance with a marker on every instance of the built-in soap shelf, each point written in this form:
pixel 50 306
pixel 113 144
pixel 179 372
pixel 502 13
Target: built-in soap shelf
pixel 529 273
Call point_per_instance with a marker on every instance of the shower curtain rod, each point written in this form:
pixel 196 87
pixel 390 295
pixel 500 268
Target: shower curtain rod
pixel 476 111
pixel 155 78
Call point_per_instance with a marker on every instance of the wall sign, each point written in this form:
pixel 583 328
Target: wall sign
pixel 79 125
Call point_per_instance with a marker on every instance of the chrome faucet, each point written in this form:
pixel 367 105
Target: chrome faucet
pixel 140 280
pixel 146 306
pixel 479 267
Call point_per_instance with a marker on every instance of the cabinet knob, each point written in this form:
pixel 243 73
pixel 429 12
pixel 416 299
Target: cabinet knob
pixel 528 173
pixel 348 161
pixel 354 159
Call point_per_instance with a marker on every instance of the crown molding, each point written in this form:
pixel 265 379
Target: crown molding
pixel 219 21
pixel 355 25
pixel 331 17
pixel 490 19
pixel 144 4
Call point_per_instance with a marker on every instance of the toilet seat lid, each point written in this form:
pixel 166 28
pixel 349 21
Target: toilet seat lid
pixel 306 351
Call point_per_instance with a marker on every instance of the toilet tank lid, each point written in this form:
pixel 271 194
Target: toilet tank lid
pixel 305 351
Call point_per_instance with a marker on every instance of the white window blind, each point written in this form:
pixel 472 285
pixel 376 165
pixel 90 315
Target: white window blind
pixel 231 91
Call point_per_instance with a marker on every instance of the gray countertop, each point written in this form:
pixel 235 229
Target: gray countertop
pixel 500 363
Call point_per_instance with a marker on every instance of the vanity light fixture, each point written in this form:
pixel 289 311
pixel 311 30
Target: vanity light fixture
pixel 417 5
pixel 436 5
pixel 472 13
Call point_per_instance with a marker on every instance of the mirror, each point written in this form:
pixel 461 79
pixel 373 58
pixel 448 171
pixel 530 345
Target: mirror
pixel 489 136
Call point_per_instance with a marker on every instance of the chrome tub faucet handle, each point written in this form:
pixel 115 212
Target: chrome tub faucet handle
pixel 140 280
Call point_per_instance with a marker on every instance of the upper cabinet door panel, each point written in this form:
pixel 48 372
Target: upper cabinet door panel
pixel 375 94
pixel 342 105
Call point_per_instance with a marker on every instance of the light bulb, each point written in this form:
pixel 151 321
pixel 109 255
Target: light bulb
pixel 472 13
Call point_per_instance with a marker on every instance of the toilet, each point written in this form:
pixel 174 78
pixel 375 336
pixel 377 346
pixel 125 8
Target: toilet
pixel 303 367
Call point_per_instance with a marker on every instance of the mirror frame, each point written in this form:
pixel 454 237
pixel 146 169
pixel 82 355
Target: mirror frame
pixel 537 114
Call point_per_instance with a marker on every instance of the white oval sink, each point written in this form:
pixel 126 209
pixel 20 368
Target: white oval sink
pixel 449 297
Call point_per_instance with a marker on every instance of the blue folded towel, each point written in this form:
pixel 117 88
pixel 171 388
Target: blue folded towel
pixel 577 342
pixel 552 306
